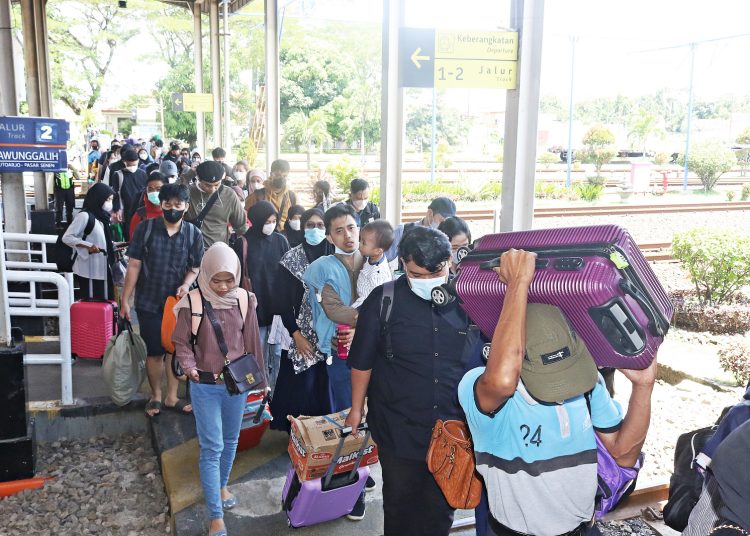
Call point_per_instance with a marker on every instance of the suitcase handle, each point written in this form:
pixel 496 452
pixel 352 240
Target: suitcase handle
pixel 262 408
pixel 654 326
pixel 345 432
pixel 539 264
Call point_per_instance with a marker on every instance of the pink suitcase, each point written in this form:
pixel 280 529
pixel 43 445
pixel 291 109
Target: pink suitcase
pixel 310 502
pixel 596 275
pixel 92 324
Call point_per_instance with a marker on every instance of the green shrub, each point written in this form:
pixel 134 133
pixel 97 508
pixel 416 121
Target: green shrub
pixel 491 191
pixel 730 195
pixel 547 159
pixel 725 319
pixel 548 190
pixel 661 158
pixel 745 194
pixel 597 180
pixel 709 161
pixel 375 195
pixel 588 192
pixel 735 358
pixel 718 262
pixel 344 172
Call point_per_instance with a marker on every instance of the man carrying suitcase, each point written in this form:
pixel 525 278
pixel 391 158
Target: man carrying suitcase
pixel 410 368
pixel 165 256
pixel 533 412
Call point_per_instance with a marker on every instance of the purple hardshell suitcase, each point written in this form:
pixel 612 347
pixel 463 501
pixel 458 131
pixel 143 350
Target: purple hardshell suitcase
pixel 596 275
pixel 330 497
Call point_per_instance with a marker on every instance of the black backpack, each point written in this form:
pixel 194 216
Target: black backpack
pixel 62 254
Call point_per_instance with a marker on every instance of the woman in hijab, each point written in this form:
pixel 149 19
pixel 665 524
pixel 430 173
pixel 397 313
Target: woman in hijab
pixel 302 385
pixel 218 414
pixel 293 226
pixel 260 251
pixel 92 244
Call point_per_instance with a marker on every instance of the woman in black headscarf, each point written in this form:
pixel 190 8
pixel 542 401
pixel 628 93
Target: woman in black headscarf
pixel 302 385
pixel 260 251
pixel 293 226
pixel 91 240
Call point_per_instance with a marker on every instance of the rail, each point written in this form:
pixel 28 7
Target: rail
pixel 30 298
pixel 62 310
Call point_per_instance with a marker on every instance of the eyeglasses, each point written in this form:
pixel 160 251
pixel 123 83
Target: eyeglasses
pixel 311 225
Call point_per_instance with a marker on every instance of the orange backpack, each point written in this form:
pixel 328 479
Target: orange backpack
pixel 168 323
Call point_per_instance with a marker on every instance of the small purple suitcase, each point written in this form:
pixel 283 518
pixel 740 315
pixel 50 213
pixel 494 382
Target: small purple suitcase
pixel 323 499
pixel 596 275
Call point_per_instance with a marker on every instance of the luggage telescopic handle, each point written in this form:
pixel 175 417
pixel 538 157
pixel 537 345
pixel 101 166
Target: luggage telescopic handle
pixel 654 324
pixel 262 408
pixel 348 430
pixel 345 432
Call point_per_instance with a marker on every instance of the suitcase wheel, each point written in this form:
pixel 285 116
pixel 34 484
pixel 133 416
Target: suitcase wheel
pixel 486 352
pixel 462 252
pixel 441 296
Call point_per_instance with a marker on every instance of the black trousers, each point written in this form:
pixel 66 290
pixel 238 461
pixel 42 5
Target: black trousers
pixel 67 198
pixel 412 502
pixel 96 290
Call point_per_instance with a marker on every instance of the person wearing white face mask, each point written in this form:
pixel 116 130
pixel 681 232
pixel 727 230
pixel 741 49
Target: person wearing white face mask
pixel 128 183
pixel 293 226
pixel 359 198
pixel 260 250
pixel 414 384
pixel 255 179
pixel 91 240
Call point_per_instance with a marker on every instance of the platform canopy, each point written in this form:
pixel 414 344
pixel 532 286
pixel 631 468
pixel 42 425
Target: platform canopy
pixel 234 5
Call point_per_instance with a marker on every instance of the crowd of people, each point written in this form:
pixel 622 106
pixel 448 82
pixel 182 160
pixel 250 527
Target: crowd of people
pixel 302 289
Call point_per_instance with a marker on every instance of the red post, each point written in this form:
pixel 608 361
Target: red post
pixel 664 180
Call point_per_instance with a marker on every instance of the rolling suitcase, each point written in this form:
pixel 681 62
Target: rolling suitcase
pixel 92 324
pixel 255 420
pixel 310 502
pixel 596 275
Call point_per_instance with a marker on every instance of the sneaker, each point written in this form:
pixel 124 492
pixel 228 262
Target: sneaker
pixel 370 484
pixel 358 512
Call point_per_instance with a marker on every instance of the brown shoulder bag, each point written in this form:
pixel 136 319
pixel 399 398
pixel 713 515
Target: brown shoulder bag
pixel 450 459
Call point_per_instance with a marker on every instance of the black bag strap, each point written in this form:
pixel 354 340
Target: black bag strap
pixel 86 232
pixel 386 306
pixel 216 325
pixel 198 222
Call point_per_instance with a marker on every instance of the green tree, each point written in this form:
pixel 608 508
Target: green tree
pixel 449 125
pixel 301 129
pixel 83 38
pixel 709 161
pixel 743 154
pixel 181 125
pixel 643 125
pixel 600 148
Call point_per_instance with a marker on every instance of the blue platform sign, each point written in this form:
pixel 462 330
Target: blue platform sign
pixel 33 144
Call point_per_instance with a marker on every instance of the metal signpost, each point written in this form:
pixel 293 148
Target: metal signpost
pixel 33 144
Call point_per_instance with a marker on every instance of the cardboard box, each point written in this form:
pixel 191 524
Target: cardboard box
pixel 313 442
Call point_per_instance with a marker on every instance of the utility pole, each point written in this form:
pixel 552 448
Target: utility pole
pixel 573 41
pixel 689 117
pixel 226 141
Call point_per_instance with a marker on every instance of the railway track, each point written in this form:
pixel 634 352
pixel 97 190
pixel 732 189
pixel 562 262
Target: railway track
pixel 604 210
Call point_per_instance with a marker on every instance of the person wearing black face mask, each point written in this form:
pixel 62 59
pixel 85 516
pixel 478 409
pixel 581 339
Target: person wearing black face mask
pixel 276 192
pixel 165 256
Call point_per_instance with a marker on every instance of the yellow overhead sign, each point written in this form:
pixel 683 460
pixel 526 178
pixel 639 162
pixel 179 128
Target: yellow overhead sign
pixel 198 102
pixel 458 59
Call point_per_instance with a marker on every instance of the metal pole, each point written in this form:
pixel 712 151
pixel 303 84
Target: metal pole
pixel 5 337
pixel 227 118
pixel 522 116
pixel 198 64
pixel 434 128
pixel 689 117
pixel 391 114
pixel 213 22
pixel 273 114
pixel 573 40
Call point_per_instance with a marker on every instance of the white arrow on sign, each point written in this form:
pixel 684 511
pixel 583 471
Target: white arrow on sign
pixel 416 58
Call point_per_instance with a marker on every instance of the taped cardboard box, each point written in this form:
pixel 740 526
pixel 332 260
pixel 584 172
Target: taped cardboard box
pixel 313 442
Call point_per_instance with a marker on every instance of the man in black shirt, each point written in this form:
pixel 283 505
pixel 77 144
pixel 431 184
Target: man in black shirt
pixel 413 387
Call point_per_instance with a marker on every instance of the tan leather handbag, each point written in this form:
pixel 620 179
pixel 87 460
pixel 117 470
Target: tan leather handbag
pixel 450 459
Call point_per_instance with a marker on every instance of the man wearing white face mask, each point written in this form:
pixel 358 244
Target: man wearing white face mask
pixel 260 251
pixel 414 384
pixel 359 198
pixel 128 184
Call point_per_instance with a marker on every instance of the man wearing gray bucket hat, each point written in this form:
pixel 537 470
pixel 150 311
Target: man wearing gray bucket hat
pixel 534 410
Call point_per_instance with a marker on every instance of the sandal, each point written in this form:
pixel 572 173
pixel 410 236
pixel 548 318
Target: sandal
pixel 153 405
pixel 179 407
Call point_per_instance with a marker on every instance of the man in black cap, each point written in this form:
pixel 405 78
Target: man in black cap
pixel 440 209
pixel 214 207
pixel 129 182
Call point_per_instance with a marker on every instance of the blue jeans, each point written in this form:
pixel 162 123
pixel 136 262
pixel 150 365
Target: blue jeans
pixel 340 382
pixel 271 355
pixel 218 416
